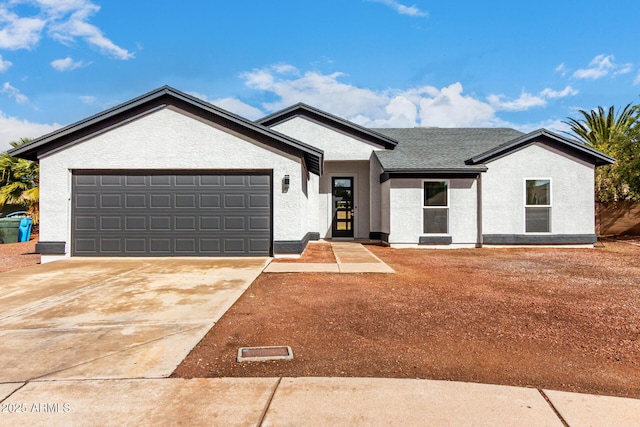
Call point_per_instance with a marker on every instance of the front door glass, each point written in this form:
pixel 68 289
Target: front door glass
pixel 342 191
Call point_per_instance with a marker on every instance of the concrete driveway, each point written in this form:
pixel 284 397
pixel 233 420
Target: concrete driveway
pixel 113 318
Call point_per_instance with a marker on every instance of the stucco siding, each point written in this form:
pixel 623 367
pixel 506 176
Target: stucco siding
pixel 375 209
pixel 385 207
pixel 169 140
pixel 406 211
pixel 503 191
pixel 313 209
pixel 336 145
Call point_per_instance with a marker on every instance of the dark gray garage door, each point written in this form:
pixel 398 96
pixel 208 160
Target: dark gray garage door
pixel 171 214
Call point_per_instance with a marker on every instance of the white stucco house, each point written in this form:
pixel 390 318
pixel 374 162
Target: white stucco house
pixel 167 174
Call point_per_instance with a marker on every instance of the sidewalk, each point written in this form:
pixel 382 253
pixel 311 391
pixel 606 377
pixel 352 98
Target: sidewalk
pixel 303 402
pixel 351 257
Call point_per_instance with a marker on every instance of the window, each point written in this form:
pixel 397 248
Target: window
pixel 435 216
pixel 538 206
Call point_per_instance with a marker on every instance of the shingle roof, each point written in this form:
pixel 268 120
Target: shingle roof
pixel 441 148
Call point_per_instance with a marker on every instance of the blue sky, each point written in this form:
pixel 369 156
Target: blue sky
pixel 380 63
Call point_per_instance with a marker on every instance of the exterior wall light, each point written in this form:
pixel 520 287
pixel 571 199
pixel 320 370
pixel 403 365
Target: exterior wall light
pixel 286 181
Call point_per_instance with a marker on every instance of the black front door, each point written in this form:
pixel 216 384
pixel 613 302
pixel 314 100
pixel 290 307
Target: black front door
pixel 342 191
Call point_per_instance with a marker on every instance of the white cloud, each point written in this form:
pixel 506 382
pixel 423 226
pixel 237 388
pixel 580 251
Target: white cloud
pixel 527 100
pixel 562 69
pixel 14 93
pixel 524 102
pixel 12 129
pixel 401 8
pixel 67 64
pixel 89 100
pixel 554 125
pixel 233 105
pixel 599 67
pixel 624 69
pixel 567 91
pixel 322 91
pixel 422 106
pixel 447 107
pixel 4 65
pixel 636 81
pixel 18 32
pixel 64 20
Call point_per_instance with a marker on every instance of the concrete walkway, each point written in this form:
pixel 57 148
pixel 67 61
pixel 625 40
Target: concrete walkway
pixel 351 257
pixel 303 402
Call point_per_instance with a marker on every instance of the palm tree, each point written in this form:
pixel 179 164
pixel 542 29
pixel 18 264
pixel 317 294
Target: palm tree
pixel 616 135
pixel 19 182
pixel 604 131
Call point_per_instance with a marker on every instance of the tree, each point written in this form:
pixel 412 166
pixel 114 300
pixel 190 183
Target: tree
pixel 19 182
pixel 615 135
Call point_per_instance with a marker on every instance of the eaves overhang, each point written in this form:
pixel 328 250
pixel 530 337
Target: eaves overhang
pixel 444 173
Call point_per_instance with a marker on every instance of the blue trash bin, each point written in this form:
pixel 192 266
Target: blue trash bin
pixel 24 230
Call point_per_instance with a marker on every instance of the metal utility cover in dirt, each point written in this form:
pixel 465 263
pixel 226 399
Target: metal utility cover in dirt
pixel 260 354
pixel 147 213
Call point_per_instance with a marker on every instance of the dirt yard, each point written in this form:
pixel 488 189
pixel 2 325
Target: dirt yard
pixel 16 255
pixel 563 319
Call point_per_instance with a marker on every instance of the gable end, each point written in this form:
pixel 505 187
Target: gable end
pixel 330 121
pixel 156 100
pixel 567 146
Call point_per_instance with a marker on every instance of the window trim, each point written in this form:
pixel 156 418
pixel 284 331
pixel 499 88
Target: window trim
pixel 447 207
pixel 549 206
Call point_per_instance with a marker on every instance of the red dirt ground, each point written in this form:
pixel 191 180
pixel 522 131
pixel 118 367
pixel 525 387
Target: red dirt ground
pixel 564 319
pixel 16 255
pixel 314 253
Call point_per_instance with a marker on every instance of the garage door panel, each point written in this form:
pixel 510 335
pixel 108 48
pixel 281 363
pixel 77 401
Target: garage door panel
pixel 86 246
pixel 111 180
pixel 166 215
pixel 86 223
pixel 135 223
pixel 110 201
pixel 111 223
pixel 133 201
pixel 260 181
pixel 86 180
pixel 259 223
pixel 134 181
pixel 86 201
pixel 210 180
pixel 259 201
pixel 160 201
pixel 111 246
pixel 234 180
pixel 209 223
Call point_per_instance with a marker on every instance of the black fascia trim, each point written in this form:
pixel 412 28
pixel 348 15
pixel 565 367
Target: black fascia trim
pixel 432 173
pixel 294 246
pixel 539 239
pixel 338 123
pixel 51 248
pixel 583 151
pixel 435 240
pixel 166 95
